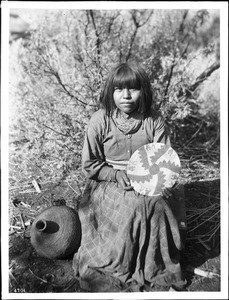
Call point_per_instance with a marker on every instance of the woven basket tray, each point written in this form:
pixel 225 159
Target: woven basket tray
pixel 152 168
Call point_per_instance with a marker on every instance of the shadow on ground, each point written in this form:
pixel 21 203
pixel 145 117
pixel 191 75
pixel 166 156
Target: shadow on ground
pixel 202 249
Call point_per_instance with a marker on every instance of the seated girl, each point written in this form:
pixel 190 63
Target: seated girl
pixel 129 241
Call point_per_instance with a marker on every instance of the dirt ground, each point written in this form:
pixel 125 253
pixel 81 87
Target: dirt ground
pixel 30 273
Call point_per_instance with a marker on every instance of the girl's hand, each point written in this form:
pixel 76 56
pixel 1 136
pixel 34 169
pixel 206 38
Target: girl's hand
pixel 123 180
pixel 167 193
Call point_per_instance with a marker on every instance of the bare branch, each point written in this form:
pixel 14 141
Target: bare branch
pixel 147 19
pixel 203 76
pixel 189 90
pixel 170 77
pixel 56 74
pixel 60 133
pixel 181 28
pixel 137 26
pixel 86 25
pixel 112 20
pixel 185 49
pixel 131 43
pixel 98 40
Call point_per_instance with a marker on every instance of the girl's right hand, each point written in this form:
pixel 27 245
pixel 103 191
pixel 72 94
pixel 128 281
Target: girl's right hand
pixel 123 180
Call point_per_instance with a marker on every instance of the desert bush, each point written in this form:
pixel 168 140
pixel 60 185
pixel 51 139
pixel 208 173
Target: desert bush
pixel 57 75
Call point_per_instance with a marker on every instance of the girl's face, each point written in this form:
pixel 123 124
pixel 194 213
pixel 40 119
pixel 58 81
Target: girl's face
pixel 126 99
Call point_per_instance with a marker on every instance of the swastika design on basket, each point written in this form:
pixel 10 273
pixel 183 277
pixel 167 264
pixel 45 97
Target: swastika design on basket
pixel 152 168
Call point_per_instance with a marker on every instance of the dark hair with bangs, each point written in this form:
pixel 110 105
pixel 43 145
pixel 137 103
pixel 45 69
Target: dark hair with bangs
pixel 127 75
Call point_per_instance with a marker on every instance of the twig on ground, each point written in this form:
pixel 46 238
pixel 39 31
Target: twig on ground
pixel 45 281
pixel 204 244
pixel 200 272
pixel 15 227
pixel 36 186
pixel 30 191
pixel 71 187
pixel 22 221
pixel 12 276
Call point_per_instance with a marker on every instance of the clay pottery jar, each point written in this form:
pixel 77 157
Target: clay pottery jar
pixel 56 232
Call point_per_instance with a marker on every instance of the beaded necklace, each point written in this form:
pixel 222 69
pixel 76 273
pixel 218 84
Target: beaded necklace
pixel 127 123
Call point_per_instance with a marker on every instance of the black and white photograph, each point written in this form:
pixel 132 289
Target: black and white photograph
pixel 114 156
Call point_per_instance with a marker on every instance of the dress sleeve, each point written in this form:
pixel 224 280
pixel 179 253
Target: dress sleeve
pixel 93 159
pixel 161 132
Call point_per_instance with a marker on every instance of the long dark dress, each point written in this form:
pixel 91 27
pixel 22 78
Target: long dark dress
pixel 129 241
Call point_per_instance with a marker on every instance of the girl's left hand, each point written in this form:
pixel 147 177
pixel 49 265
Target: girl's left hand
pixel 168 192
pixel 123 180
